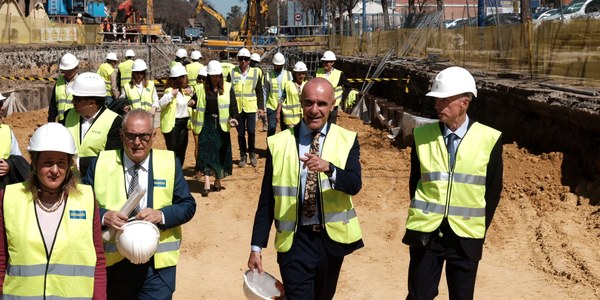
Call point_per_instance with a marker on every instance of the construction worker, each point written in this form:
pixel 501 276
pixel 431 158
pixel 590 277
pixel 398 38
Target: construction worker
pixel 94 127
pixel 13 167
pixel 140 92
pixel 180 57
pixel 194 67
pixel 125 68
pixel 255 63
pixel 225 63
pixel 455 186
pixel 307 193
pixel 79 21
pixel 49 223
pixel 338 80
pixel 167 203
pixel 108 73
pixel 247 85
pixel 61 99
pixel 289 106
pixel 274 83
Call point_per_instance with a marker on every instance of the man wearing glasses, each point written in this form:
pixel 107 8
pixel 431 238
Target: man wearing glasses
pixel 337 78
pixel 167 203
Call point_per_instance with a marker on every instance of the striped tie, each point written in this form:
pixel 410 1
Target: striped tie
pixel 310 189
pixel 133 183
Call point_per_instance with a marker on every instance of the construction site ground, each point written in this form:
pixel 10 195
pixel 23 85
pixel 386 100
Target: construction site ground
pixel 543 242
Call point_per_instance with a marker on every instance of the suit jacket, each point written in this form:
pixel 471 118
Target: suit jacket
pixel 348 180
pixel 493 188
pixel 181 211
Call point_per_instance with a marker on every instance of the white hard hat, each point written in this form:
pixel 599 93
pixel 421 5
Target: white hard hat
pixel 196 55
pixel 68 62
pixel 214 68
pixel 52 137
pixel 177 70
pixel 278 59
pixel 181 53
pixel 139 65
pixel 328 56
pixel 2 97
pixel 79 15
pixel 203 71
pixel 137 241
pixel 129 53
pixel 300 67
pixel 243 53
pixel 111 56
pixel 452 81
pixel 88 84
pixel 261 286
pixel 255 57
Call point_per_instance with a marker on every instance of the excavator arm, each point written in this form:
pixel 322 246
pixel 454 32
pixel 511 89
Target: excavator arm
pixel 211 11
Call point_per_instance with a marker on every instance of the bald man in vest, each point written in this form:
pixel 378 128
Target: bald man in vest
pixel 307 192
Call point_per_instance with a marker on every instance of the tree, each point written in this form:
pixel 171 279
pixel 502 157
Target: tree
pixel 386 16
pixel 348 5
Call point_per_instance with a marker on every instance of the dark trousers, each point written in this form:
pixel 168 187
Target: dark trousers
pixel 127 281
pixel 247 121
pixel 333 115
pixel 177 139
pixel 308 270
pixel 425 269
pixel 272 121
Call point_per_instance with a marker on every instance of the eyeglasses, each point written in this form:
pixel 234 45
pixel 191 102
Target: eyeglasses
pixel 144 137
pixel 243 58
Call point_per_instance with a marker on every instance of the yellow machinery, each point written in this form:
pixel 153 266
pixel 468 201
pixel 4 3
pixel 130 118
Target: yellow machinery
pixel 232 41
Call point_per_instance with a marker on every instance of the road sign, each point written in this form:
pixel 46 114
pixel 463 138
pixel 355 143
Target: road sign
pixel 298 17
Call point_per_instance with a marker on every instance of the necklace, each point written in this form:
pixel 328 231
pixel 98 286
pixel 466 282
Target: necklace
pixel 52 208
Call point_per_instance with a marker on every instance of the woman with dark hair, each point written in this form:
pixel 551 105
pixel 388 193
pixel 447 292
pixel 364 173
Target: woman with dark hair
pixel 216 112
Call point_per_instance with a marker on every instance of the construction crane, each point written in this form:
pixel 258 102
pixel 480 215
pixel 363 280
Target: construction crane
pixel 251 23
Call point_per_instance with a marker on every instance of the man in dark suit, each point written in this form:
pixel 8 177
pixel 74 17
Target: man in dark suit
pixel 306 191
pixel 167 203
pixel 455 186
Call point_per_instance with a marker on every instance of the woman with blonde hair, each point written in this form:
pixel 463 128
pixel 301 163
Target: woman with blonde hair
pixel 140 92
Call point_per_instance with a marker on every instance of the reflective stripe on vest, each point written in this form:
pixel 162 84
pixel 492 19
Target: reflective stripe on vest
pixel 223 102
pixel 337 212
pixel 110 174
pixel 273 96
pixel 145 100
pixel 245 89
pixel 334 78
pixel 168 113
pixel 5 141
pixel 291 106
pixel 458 195
pixel 125 71
pixel 95 139
pixel 69 272
pixel 64 100
pixel 192 72
pixel 105 70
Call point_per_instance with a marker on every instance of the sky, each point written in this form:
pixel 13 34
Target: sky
pixel 224 6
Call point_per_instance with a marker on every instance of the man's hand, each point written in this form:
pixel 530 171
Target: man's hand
pixel 4 167
pixel 255 261
pixel 151 215
pixel 127 108
pixel 233 123
pixel 261 113
pixel 114 219
pixel 314 163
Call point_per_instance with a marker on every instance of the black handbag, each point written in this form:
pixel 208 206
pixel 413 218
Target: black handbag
pixel 418 239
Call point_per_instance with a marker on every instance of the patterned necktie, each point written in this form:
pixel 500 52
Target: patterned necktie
pixel 133 183
pixel 310 189
pixel 452 148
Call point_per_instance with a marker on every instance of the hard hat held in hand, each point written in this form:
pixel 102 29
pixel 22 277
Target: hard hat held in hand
pixel 262 286
pixel 88 84
pixel 52 137
pixel 452 81
pixel 68 62
pixel 137 241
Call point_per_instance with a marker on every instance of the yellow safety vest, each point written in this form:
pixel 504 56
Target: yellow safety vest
pixel 457 194
pixel 95 139
pixel 273 97
pixel 227 67
pixel 223 101
pixel 167 113
pixel 125 71
pixel 337 211
pixel 105 70
pixel 291 106
pixel 334 78
pixel 143 101
pixel 5 141
pixel 69 271
pixel 173 62
pixel 110 175
pixel 192 71
pixel 64 100
pixel 245 89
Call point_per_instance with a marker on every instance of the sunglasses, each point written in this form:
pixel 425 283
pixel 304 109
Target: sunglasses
pixel 144 137
pixel 244 58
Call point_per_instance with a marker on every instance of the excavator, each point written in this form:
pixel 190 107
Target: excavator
pixel 231 41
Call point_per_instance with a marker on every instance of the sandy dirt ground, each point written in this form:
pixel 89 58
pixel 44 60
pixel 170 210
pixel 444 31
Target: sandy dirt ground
pixel 543 242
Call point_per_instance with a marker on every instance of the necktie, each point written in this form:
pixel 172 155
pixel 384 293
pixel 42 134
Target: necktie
pixel 452 148
pixel 133 183
pixel 310 189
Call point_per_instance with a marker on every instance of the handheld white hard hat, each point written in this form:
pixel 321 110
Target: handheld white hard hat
pixel 88 84
pixel 328 56
pixel 300 67
pixel 196 55
pixel 181 53
pixel 139 65
pixel 203 71
pixel 129 53
pixel 79 15
pixel 137 241
pixel 278 59
pixel 52 137
pixel 243 53
pixel 2 97
pixel 177 70
pixel 452 81
pixel 261 286
pixel 255 57
pixel 214 68
pixel 68 62
pixel 111 56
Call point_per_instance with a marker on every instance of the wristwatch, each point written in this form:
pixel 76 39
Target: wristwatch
pixel 331 169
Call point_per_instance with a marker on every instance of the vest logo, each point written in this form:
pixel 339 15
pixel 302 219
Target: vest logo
pixel 96 131
pixel 160 182
pixel 77 214
pixel 236 81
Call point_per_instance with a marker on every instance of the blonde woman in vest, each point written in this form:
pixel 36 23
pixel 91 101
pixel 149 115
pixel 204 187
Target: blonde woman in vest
pixel 216 112
pixel 289 108
pixel 175 111
pixel 51 245
pixel 140 92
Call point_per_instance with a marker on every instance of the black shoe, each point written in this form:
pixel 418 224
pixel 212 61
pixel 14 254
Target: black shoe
pixel 204 193
pixel 217 188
